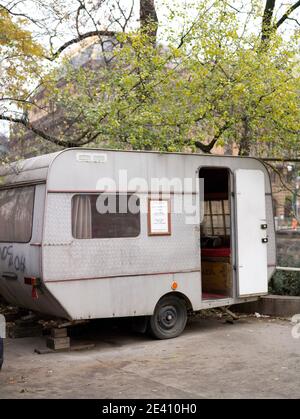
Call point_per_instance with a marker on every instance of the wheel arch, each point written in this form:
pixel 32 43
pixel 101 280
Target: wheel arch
pixel 179 295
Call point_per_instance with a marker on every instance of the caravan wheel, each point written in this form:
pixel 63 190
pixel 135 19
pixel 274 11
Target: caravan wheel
pixel 169 318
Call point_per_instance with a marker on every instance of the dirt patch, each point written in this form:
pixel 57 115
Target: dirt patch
pixel 254 357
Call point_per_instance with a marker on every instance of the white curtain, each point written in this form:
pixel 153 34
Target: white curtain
pixel 82 217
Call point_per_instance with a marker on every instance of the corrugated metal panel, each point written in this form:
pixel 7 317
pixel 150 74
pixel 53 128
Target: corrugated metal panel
pixel 65 257
pixel 32 170
pixel 67 173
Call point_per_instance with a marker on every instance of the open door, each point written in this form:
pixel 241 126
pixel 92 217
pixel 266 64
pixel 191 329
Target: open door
pixel 252 265
pixel 215 233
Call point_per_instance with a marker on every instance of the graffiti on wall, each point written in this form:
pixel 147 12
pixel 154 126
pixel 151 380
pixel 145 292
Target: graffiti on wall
pixel 14 261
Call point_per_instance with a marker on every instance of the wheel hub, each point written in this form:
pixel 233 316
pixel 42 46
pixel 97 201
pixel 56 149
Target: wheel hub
pixel 167 317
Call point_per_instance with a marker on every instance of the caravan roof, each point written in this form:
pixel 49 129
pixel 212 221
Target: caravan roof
pixel 80 169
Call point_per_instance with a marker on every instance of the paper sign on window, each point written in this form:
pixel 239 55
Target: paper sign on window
pixel 159 217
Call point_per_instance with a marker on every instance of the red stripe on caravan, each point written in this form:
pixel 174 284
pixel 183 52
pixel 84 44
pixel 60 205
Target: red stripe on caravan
pixel 119 276
pixel 79 191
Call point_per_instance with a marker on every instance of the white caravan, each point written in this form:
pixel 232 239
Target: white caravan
pixel 201 234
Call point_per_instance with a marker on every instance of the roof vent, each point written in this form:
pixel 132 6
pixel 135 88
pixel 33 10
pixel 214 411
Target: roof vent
pixel 91 157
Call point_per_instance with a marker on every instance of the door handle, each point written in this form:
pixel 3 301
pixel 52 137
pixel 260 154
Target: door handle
pixel 265 240
pixel 9 275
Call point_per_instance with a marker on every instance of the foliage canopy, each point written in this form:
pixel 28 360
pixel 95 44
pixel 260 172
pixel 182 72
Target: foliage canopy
pixel 212 82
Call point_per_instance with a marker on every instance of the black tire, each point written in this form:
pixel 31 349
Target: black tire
pixel 169 318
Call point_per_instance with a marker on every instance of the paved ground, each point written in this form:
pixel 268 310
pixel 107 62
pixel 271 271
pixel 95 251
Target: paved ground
pixel 252 358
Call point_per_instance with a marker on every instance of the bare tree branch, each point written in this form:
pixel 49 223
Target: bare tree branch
pixel 294 20
pixel 21 15
pixel 206 148
pixel 23 101
pixel 283 183
pixel 287 14
pixel 268 27
pixel 79 39
pixel 28 125
pixel 80 7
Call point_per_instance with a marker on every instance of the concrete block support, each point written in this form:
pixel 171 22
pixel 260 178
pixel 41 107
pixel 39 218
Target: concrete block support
pixel 271 305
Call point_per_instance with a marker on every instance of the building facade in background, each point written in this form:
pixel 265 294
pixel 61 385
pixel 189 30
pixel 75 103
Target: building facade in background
pixel 286 194
pixel 50 118
pixel 3 145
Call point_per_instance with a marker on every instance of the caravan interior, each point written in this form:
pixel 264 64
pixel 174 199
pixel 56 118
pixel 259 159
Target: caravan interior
pixel 216 249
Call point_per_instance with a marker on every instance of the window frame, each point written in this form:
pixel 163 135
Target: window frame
pixel 98 194
pixel 32 215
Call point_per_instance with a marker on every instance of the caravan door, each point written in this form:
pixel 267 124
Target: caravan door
pixel 252 265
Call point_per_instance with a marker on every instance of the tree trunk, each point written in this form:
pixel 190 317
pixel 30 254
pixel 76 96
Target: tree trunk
pixel 245 143
pixel 267 22
pixel 148 17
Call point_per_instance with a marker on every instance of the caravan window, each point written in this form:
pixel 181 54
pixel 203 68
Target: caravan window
pixel 105 216
pixel 216 221
pixel 16 213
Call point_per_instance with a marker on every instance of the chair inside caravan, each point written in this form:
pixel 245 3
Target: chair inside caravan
pixel 216 254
